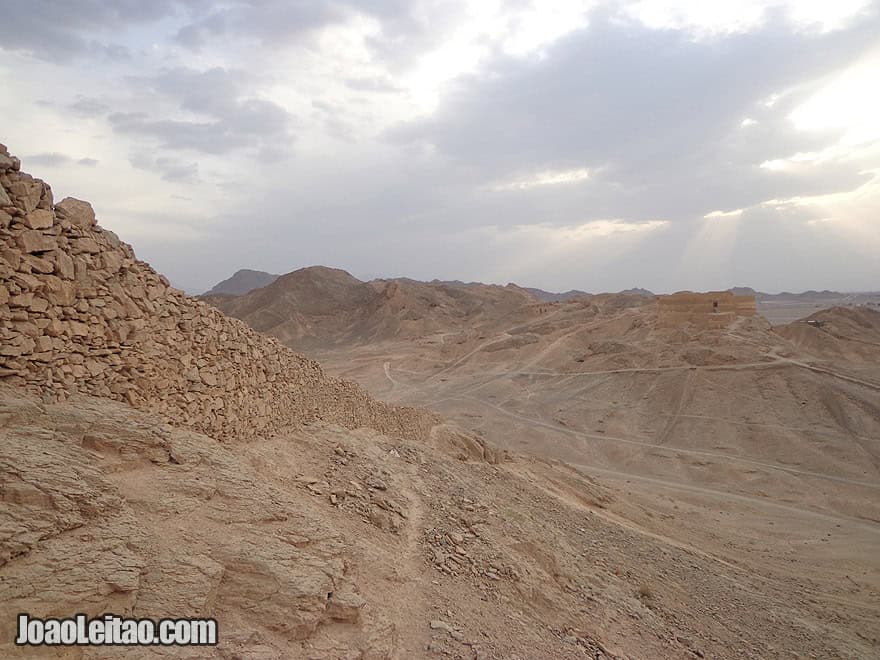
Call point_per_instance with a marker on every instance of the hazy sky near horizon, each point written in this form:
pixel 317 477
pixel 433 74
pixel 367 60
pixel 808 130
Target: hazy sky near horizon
pixel 668 144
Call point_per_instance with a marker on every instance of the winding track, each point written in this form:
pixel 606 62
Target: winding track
pixel 630 441
pixel 670 449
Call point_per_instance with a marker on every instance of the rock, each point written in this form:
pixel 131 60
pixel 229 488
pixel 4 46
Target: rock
pixel 38 305
pixel 32 240
pixel 63 264
pixel 28 192
pixel 11 257
pixel 439 624
pixel 86 246
pixel 345 605
pixel 39 219
pixel 77 212
pixel 22 300
pixel 375 482
pixel 385 521
pixel 207 377
pixel 319 488
pixel 112 261
pixel 38 265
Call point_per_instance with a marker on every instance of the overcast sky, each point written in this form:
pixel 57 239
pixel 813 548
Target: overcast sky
pixel 668 144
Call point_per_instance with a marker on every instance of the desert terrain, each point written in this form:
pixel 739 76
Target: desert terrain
pixel 444 470
pixel 785 308
pixel 763 430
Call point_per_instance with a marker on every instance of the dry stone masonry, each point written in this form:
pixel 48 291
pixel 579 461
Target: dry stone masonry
pixel 80 313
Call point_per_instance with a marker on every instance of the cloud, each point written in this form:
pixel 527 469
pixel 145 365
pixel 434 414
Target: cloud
pixel 85 106
pixel 548 178
pixel 723 214
pixel 170 169
pixel 58 31
pixel 280 23
pixel 231 118
pixel 55 159
pixel 558 146
pixel 373 84
pixel 649 113
pixel 270 20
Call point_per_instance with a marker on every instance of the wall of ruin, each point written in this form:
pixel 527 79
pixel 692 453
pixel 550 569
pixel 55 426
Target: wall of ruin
pixel 80 313
pixel 700 308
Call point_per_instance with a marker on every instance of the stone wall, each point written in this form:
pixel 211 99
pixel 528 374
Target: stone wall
pixel 80 313
pixel 715 309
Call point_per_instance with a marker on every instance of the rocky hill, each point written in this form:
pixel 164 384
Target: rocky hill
pixel 80 313
pixel 549 296
pixel 838 334
pixel 243 281
pixel 319 307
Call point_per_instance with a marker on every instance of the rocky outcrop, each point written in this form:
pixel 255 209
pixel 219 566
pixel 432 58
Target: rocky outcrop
pixel 80 313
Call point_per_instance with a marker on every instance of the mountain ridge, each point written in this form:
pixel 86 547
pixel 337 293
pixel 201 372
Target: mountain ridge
pixel 242 281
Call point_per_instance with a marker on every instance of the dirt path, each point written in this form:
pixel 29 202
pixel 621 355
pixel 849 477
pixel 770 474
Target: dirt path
pixel 726 496
pixel 409 606
pixel 386 367
pixel 770 425
pixel 463 396
pixel 683 398
pixel 668 448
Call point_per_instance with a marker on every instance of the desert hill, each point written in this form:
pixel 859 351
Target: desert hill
pixel 841 334
pixel 243 281
pixel 744 419
pixel 638 291
pixel 600 382
pixel 549 296
pixel 158 458
pixel 317 307
pixel 745 414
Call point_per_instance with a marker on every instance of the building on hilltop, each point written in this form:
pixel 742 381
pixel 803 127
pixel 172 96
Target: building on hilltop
pixel 715 309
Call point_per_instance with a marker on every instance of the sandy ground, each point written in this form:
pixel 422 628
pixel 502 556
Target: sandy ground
pixel 326 543
pixel 740 443
pixel 603 489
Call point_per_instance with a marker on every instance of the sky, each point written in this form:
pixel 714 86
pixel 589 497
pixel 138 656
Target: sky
pixel 665 144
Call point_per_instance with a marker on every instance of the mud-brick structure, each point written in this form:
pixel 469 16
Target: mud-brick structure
pixel 716 309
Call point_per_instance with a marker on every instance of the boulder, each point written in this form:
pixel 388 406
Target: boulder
pixel 28 192
pixel 77 212
pixel 39 219
pixel 345 605
pixel 32 240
